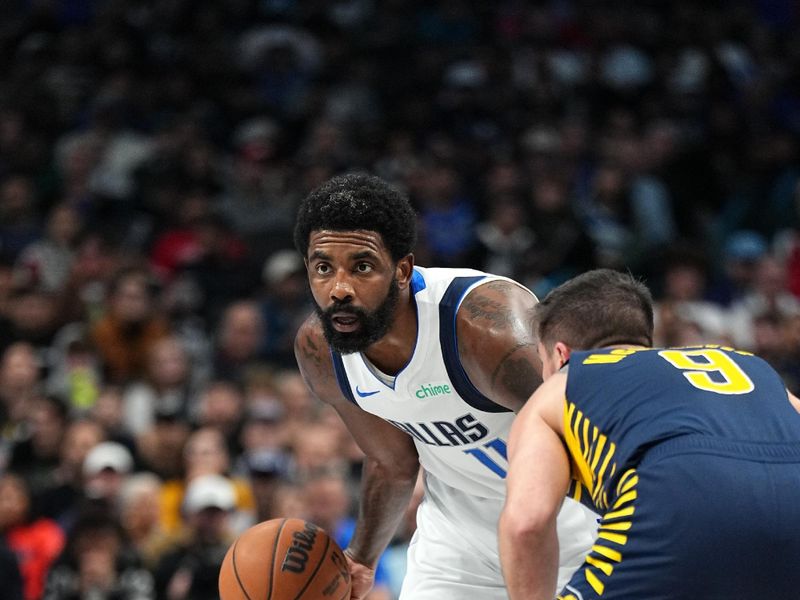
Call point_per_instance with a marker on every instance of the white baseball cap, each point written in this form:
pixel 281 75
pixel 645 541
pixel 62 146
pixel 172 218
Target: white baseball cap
pixel 108 455
pixel 209 491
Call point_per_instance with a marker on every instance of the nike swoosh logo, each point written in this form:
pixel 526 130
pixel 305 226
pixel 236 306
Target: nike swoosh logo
pixel 365 394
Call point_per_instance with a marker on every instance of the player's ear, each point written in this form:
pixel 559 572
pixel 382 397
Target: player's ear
pixel 404 270
pixel 562 352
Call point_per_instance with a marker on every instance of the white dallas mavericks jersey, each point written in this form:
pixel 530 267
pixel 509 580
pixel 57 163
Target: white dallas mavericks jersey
pixel 459 433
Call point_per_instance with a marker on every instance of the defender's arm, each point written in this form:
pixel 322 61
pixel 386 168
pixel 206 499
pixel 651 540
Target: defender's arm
pixel 538 478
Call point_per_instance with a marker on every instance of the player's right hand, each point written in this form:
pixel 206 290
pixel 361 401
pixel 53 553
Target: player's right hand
pixel 362 578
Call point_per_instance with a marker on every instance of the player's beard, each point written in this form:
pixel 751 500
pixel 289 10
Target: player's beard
pixel 373 325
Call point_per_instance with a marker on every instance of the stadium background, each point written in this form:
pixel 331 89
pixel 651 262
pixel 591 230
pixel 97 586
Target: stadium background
pixel 152 155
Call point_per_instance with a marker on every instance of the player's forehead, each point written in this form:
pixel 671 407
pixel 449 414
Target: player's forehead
pixel 327 242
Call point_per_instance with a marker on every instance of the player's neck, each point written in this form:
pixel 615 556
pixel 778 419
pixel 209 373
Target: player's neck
pixel 393 351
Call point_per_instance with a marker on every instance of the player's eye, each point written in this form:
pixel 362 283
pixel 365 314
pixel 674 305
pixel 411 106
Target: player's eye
pixel 322 269
pixel 364 267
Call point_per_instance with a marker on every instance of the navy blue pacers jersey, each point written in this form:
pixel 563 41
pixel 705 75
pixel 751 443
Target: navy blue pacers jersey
pixel 678 448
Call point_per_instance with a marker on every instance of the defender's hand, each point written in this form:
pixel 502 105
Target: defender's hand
pixel 362 578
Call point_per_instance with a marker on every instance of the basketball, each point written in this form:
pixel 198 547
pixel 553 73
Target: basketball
pixel 284 559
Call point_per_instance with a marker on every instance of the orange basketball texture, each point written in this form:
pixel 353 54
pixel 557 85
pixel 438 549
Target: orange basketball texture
pixel 284 559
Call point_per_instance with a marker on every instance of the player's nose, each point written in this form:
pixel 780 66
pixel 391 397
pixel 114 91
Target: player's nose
pixel 342 289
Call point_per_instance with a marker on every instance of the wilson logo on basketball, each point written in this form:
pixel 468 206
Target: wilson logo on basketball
pixel 341 564
pixel 297 554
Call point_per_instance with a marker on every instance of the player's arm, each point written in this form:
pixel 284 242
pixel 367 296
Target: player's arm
pixel 496 343
pixel 537 481
pixel 391 463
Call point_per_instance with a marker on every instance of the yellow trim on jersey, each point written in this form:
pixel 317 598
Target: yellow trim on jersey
pixel 606 462
pixel 607 552
pixel 621 526
pixel 627 485
pixel 599 565
pixel 591 452
pixel 604 566
pixel 580 466
pixel 617 538
pixel 601 359
pixel 597 585
pixel 597 449
pixel 624 512
pixel 625 498
pixel 577 491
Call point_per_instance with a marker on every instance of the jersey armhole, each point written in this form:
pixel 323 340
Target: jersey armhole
pixel 448 309
pixel 341 377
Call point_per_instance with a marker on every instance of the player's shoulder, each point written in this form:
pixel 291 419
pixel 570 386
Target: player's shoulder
pixel 548 399
pixel 496 304
pixel 553 387
pixel 310 335
pixel 313 353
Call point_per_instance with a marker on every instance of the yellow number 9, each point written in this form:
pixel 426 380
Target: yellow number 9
pixel 735 381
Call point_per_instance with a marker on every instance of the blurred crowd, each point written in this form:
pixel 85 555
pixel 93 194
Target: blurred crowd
pixel 153 153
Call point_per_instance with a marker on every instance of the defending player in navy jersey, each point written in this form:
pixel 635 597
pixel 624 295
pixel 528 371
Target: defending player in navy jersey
pixel 692 456
pixel 425 366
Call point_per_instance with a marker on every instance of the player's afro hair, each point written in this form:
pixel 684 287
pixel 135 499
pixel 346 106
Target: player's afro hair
pixel 358 201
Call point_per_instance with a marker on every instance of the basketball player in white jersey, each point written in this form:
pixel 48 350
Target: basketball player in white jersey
pixel 426 367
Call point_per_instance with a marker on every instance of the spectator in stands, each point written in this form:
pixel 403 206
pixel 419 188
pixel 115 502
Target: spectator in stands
pixel 46 263
pixel 125 335
pixel 20 385
pixel 108 413
pixel 267 472
pixel 140 516
pixel 221 270
pixel 166 386
pixel 105 470
pixel 682 304
pixel 36 541
pixel 190 571
pixel 447 214
pixel 61 500
pixel 284 302
pixel 740 256
pixel 769 295
pixel 239 340
pixel 262 429
pixel 18 213
pixel 317 449
pixel 33 317
pixel 301 407
pixel 504 239
pixel 74 369
pixel 160 448
pixel 36 457
pixel 561 245
pixel 205 453
pixel 97 563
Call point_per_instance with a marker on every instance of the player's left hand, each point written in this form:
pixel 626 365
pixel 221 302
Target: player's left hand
pixel 362 576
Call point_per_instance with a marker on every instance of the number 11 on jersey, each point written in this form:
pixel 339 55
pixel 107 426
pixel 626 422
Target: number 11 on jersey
pixel 495 452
